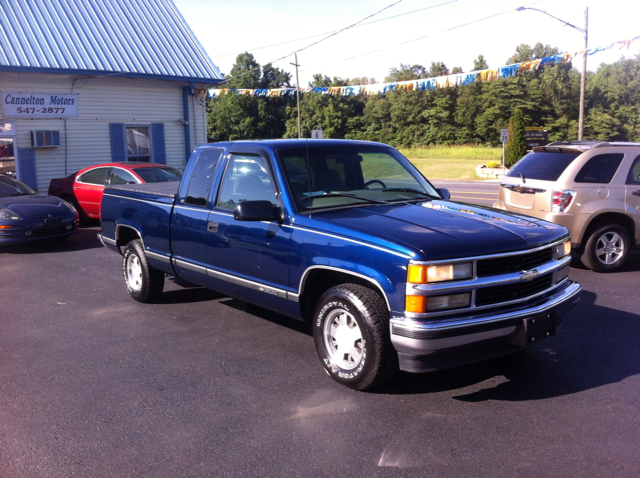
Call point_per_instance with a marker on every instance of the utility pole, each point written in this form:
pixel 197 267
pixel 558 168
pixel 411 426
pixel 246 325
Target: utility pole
pixel 297 91
pixel 583 76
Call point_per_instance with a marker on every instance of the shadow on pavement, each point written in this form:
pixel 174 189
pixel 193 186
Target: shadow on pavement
pixel 596 346
pixel 85 238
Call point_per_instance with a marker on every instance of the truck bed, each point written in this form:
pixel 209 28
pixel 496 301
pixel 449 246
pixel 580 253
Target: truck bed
pixel 167 189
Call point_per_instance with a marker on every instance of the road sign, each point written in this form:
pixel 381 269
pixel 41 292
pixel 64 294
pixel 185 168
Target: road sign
pixel 504 135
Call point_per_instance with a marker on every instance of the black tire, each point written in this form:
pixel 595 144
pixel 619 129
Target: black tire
pixel 143 282
pixel 360 321
pixel 607 248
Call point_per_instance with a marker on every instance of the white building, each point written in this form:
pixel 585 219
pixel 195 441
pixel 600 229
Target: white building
pixel 84 83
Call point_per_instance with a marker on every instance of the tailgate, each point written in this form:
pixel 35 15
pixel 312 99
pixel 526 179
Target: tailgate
pixel 532 197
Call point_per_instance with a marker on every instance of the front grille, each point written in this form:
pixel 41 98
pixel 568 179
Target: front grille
pixel 506 265
pixel 509 292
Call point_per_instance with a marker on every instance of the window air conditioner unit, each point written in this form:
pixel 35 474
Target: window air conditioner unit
pixel 45 139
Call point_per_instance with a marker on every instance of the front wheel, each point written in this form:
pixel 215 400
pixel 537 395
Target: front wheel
pixel 607 248
pixel 144 283
pixel 351 336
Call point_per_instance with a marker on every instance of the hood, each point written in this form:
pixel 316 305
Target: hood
pixel 443 229
pixel 36 206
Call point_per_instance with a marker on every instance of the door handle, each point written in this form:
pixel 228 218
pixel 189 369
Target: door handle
pixel 212 226
pixel 636 193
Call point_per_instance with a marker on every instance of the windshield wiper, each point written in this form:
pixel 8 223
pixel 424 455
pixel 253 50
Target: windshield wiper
pixel 410 190
pixel 345 195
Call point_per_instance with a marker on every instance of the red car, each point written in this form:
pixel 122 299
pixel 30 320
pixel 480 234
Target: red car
pixel 84 188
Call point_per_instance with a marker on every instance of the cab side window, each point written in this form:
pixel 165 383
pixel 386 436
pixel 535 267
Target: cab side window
pixel 634 172
pixel 600 169
pixel 246 179
pixel 95 176
pixel 202 177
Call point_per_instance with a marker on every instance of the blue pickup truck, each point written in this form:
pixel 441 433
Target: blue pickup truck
pixel 351 237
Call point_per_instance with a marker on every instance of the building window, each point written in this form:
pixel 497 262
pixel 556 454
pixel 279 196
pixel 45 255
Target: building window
pixel 138 143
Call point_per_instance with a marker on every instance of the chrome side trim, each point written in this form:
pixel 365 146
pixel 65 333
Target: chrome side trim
pixel 106 239
pixel 303 279
pixel 283 294
pixel 407 323
pixel 360 243
pixel 127 226
pixel 189 266
pixel 158 257
pixel 247 283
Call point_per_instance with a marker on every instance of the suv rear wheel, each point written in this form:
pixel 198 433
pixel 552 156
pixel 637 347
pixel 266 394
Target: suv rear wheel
pixel 607 248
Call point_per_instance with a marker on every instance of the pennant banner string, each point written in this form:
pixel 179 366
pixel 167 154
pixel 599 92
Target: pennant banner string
pixel 425 84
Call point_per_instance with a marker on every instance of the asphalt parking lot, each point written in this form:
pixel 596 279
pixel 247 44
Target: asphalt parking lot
pixel 94 384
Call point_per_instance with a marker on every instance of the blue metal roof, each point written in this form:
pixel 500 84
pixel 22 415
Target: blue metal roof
pixel 134 38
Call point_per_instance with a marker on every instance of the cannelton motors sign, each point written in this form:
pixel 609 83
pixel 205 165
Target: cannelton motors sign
pixel 39 104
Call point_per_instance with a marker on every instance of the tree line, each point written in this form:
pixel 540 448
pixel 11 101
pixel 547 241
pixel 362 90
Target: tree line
pixel 548 97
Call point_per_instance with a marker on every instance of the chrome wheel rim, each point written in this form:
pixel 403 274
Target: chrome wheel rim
pixel 343 339
pixel 134 272
pixel 610 247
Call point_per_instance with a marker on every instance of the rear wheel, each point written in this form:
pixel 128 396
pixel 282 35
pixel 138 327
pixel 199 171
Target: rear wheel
pixel 350 332
pixel 144 283
pixel 607 248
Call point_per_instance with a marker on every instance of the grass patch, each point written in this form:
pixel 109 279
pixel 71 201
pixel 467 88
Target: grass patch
pixel 463 151
pixel 451 162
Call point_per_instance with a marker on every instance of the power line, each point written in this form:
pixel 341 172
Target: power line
pixel 336 31
pixel 443 31
pixel 319 41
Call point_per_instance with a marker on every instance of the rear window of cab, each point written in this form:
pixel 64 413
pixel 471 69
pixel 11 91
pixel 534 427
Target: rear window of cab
pixel 544 166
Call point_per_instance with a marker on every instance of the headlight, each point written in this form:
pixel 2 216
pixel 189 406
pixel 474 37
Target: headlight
pixel 70 206
pixel 420 304
pixel 563 249
pixel 8 215
pixel 423 274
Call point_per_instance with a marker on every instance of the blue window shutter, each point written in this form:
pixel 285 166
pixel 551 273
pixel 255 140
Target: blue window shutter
pixel 159 150
pixel 118 142
pixel 27 159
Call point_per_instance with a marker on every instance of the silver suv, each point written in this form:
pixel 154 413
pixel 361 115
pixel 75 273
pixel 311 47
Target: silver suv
pixel 590 187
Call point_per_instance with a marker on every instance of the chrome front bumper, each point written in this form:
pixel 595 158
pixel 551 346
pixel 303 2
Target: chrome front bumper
pixel 438 344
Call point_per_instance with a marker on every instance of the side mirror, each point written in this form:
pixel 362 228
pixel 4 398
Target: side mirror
pixel 444 192
pixel 256 211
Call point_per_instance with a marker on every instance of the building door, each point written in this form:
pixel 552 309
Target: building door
pixel 8 149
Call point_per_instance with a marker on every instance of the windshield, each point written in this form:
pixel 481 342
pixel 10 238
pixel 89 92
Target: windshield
pixel 159 175
pixel 343 175
pixel 12 187
pixel 545 166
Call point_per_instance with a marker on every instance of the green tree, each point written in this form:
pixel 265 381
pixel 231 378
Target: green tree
pixel 516 146
pixel 233 117
pixel 480 63
pixel 406 73
pixel 329 113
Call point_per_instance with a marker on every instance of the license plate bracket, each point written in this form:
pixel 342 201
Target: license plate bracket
pixel 535 328
pixel 52 223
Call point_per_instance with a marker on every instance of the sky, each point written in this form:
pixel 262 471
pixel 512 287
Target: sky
pixel 412 32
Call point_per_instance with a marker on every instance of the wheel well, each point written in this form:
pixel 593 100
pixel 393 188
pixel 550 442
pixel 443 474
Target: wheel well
pixel 125 234
pixel 616 218
pixel 320 280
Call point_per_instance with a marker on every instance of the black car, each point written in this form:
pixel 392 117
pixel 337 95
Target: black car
pixel 26 215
